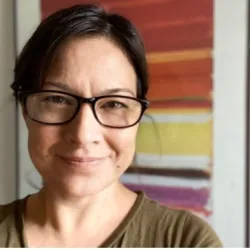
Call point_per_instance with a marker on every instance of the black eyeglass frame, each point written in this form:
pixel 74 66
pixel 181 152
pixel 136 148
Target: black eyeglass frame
pixel 23 95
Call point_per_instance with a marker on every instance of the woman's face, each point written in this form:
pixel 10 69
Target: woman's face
pixel 82 158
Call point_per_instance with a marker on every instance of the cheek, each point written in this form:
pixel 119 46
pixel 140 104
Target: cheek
pixel 41 138
pixel 123 144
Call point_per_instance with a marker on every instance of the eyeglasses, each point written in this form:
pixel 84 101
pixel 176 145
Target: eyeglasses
pixel 57 107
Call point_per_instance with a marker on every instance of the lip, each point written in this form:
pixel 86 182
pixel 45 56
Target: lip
pixel 81 160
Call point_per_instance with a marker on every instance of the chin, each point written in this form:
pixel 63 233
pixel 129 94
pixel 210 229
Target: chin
pixel 79 186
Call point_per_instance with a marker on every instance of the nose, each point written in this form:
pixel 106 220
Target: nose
pixel 84 129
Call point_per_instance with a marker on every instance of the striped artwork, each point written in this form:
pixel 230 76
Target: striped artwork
pixel 174 155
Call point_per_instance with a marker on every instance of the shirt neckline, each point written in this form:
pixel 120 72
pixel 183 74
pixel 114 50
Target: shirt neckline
pixel 129 218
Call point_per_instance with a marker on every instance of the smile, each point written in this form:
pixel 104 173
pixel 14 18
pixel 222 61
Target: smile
pixel 82 162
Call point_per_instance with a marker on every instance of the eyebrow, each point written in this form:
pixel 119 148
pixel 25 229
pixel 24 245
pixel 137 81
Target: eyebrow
pixel 65 87
pixel 117 90
pixel 59 85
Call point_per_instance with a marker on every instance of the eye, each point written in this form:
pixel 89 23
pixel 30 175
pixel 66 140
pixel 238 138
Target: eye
pixel 56 99
pixel 114 105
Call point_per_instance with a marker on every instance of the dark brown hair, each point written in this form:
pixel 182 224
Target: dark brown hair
pixel 77 21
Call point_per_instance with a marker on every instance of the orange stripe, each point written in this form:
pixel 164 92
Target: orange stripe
pixel 184 55
pixel 178 68
pixel 178 87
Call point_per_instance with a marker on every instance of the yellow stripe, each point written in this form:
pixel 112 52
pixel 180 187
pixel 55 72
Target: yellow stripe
pixel 175 139
pixel 185 55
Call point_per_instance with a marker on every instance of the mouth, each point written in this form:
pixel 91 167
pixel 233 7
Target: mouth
pixel 82 161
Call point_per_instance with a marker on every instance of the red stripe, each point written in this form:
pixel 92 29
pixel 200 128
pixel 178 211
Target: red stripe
pixel 188 24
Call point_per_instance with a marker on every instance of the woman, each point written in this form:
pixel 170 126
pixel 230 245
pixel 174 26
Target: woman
pixel 82 81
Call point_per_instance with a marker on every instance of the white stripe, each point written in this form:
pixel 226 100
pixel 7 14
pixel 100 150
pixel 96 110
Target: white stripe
pixel 173 118
pixel 172 161
pixel 141 179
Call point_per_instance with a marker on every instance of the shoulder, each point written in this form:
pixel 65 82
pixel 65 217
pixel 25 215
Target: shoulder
pixel 8 217
pixel 177 228
pixel 198 233
pixel 6 210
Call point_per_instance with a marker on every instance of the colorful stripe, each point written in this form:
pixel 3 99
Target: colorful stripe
pixel 175 196
pixel 151 180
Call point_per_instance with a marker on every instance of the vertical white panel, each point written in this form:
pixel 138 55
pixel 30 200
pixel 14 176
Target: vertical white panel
pixel 28 17
pixel 230 121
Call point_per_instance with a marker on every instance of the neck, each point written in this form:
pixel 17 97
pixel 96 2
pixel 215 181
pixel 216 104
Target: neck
pixel 66 214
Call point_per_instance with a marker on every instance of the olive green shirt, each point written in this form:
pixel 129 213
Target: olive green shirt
pixel 148 224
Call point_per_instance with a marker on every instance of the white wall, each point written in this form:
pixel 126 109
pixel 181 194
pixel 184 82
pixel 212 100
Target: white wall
pixel 28 18
pixel 7 105
pixel 229 147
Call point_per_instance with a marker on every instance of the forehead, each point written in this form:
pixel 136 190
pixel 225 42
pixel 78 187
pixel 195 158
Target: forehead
pixel 89 65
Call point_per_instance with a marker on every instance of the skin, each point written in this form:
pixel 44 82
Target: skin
pixel 83 198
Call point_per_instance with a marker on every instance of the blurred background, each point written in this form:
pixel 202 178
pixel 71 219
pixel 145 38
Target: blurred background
pixel 192 144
